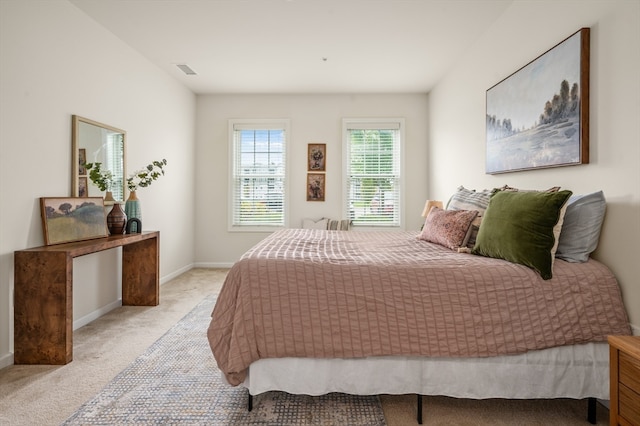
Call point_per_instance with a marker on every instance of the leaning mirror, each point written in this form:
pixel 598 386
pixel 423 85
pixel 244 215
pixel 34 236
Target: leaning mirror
pixel 94 143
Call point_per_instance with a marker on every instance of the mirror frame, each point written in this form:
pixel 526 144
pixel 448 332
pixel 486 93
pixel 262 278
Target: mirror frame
pixel 75 156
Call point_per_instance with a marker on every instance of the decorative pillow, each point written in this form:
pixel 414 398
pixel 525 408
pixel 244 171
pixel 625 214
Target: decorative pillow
pixel 556 232
pixel 510 188
pixel 338 225
pixel 581 228
pixel 314 224
pixel 473 232
pixel 519 227
pixel 558 227
pixel 467 199
pixel 449 228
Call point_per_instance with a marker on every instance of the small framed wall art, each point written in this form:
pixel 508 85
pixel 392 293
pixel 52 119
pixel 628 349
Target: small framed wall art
pixel 315 186
pixel 316 157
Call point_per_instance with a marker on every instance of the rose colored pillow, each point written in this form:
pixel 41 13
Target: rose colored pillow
pixel 449 228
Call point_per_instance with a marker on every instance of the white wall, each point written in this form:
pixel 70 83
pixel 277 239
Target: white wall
pixel 55 62
pixel 314 118
pixel 526 30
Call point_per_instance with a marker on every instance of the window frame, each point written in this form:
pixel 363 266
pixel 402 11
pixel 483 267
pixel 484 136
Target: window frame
pixel 373 124
pixel 258 124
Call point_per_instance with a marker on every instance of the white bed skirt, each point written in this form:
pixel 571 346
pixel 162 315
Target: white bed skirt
pixel 578 371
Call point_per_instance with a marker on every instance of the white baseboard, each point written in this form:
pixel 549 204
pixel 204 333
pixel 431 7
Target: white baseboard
pixel 96 314
pixel 635 330
pixel 213 265
pixel 176 273
pixel 118 303
pixel 6 360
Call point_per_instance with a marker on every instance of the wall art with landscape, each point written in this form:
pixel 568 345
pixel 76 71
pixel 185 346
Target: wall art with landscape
pixel 538 117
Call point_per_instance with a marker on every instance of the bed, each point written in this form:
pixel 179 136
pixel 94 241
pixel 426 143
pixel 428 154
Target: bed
pixel 390 312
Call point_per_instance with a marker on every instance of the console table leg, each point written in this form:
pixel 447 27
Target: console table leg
pixel 141 273
pixel 43 308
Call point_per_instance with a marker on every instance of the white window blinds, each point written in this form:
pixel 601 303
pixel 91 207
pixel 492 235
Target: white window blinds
pixel 373 186
pixel 258 193
pixel 114 147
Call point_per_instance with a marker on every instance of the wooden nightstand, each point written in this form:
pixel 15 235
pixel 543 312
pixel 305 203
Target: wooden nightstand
pixel 625 380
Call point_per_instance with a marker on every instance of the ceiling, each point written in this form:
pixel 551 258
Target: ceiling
pixel 300 46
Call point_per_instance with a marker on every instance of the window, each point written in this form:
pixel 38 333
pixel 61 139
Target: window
pixel 373 184
pixel 258 198
pixel 114 147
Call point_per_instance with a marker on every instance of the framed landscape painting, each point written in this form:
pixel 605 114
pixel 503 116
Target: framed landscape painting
pixel 70 219
pixel 538 117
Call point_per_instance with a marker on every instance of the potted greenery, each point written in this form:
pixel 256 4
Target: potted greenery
pixel 103 179
pixel 144 177
pixel 141 179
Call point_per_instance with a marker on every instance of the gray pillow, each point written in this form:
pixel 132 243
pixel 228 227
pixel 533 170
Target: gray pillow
pixel 468 199
pixel 581 228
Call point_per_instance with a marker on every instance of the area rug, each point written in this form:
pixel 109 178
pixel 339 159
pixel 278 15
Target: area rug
pixel 176 381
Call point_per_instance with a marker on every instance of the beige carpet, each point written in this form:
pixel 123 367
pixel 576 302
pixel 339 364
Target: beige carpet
pixel 176 382
pixel 48 395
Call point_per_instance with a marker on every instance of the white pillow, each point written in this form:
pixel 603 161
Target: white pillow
pixel 313 224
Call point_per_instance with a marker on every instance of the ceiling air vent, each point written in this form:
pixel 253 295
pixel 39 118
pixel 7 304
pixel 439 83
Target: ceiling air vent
pixel 186 69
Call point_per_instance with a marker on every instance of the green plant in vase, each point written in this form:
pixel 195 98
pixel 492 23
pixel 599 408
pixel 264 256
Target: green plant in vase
pixel 141 179
pixel 103 179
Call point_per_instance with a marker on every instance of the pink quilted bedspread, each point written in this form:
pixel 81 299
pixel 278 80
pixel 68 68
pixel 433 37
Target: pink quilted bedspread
pixel 339 294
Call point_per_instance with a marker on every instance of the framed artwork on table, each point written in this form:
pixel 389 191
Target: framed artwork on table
pixel 68 219
pixel 316 157
pixel 83 189
pixel 315 186
pixel 82 160
pixel 538 117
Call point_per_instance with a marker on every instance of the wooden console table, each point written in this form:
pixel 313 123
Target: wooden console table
pixel 43 289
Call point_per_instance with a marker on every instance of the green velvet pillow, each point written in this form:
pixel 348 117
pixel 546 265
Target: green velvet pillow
pixel 518 227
